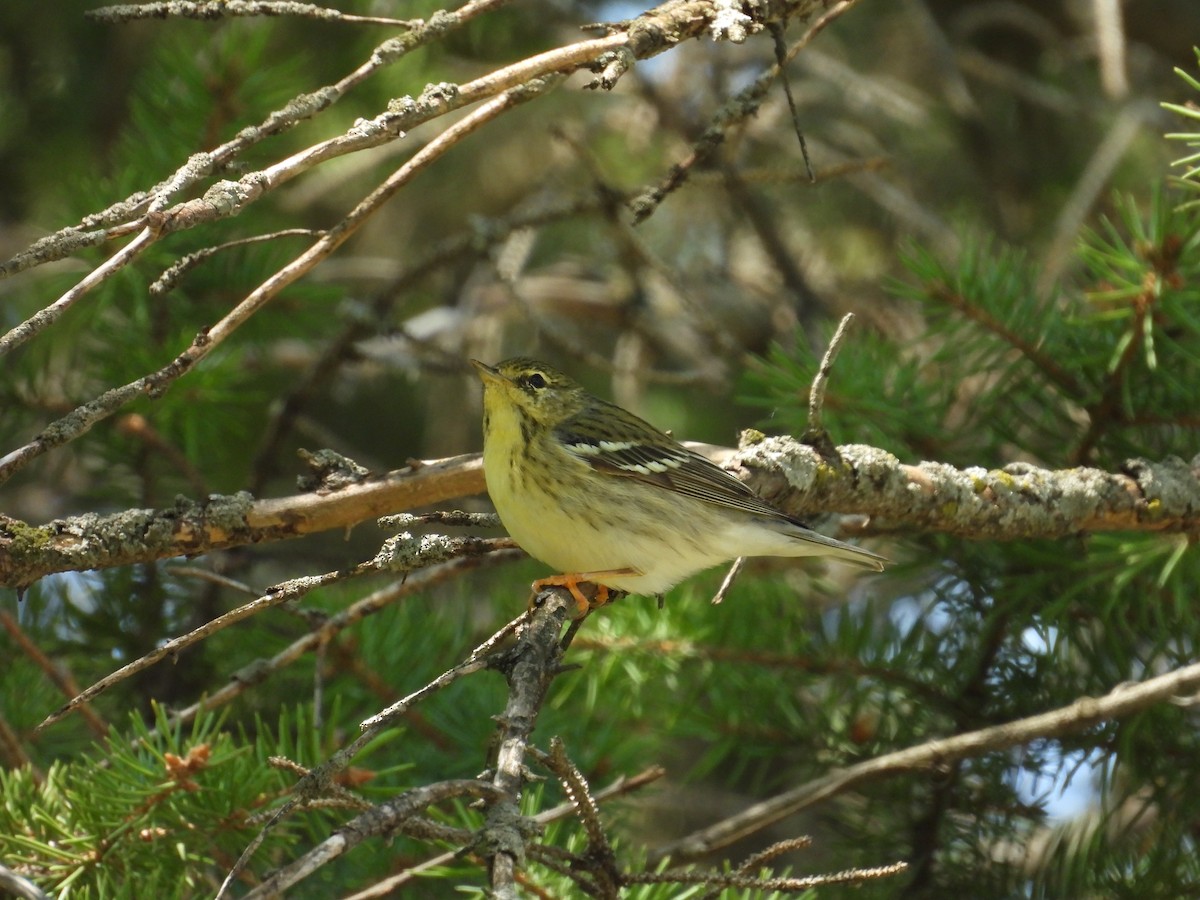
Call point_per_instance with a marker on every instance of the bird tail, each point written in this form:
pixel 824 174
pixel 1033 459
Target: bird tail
pixel 839 550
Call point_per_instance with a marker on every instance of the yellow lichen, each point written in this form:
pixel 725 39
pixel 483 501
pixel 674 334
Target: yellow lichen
pixel 27 538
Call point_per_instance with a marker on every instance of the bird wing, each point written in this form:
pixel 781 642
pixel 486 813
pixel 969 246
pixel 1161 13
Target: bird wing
pixel 647 454
pixel 655 458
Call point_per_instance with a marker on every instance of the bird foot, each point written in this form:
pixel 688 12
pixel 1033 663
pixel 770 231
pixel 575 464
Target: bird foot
pixel 586 591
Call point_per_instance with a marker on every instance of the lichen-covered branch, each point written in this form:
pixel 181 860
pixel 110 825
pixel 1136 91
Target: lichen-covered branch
pixel 1016 501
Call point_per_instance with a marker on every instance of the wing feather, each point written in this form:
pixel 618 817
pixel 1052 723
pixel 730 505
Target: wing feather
pixel 655 458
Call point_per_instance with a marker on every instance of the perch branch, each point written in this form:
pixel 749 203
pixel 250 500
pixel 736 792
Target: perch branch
pixel 1019 501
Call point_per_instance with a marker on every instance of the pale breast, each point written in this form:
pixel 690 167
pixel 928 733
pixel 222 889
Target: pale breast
pixel 602 526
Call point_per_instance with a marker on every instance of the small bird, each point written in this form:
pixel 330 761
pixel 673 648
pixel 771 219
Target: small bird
pixel 606 498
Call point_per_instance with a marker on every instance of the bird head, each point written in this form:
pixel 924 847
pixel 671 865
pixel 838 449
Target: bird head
pixel 530 388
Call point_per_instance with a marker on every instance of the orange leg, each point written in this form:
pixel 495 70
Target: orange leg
pixel 571 583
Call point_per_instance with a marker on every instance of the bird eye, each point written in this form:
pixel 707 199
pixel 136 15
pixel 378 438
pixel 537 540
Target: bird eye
pixel 536 380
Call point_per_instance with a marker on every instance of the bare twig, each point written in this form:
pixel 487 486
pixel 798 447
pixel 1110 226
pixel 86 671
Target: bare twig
pixel 728 580
pixel 737 110
pixel 1110 47
pixel 317 782
pixel 46 317
pixel 281 593
pixel 816 394
pixel 579 793
pixel 20 886
pixel 166 282
pixel 202 165
pixel 781 60
pixel 127 12
pixel 619 787
pixel 529 666
pixel 381 820
pixel 83 418
pixel 224 581
pixel 478 660
pixel 790 884
pixel 398 555
pixel 1122 701
pixel 757 861
pixel 641 37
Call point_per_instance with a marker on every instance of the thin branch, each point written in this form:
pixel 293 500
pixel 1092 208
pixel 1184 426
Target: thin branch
pixel 790 884
pixel 400 554
pixel 202 165
pixel 579 793
pixel 727 582
pixel 318 781
pixel 259 670
pixel 529 666
pixel 382 820
pixel 46 317
pixel 281 593
pixel 618 788
pixel 743 105
pixel 816 394
pixel 166 282
pixel 125 12
pixel 644 36
pixel 226 199
pixel 1124 700
pixel 478 660
pixel 1110 47
pixel 82 419
pixel 781 60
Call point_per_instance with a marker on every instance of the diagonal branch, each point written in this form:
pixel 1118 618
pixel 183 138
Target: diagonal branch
pixel 1124 700
pixel 83 418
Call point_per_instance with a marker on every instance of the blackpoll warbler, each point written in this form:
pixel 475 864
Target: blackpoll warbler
pixel 605 497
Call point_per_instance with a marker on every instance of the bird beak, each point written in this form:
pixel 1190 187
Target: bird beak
pixel 487 373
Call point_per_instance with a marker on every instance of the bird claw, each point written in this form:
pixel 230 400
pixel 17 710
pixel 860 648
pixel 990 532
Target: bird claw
pixel 585 591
